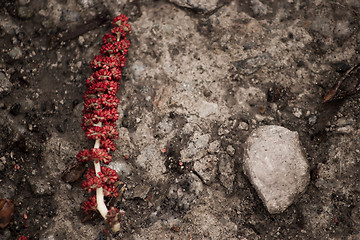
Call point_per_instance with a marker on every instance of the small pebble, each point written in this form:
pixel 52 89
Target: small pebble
pixel 15 53
pixel 355 214
pixel 5 84
pixel 312 119
pixel 81 40
pixel 226 172
pixel 25 12
pixel 2 163
pixel 321 25
pixel 342 29
pixel 214 147
pixel 230 150
pixel 23 2
pixel 40 187
pixel 243 126
pixel 297 112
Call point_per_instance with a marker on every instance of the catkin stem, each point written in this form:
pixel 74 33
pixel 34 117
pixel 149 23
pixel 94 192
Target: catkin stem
pixel 99 191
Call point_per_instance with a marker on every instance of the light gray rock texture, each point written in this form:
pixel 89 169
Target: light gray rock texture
pixel 196 147
pixel 204 5
pixel 275 163
pixel 206 167
pixel 226 172
pixel 5 84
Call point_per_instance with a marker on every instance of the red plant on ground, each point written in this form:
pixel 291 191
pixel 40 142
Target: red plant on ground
pixel 99 117
pixel 22 237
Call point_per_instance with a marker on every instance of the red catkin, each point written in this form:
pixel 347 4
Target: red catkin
pixel 100 115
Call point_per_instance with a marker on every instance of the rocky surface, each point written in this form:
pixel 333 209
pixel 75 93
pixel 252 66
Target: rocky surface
pixel 197 5
pixel 275 163
pixel 200 76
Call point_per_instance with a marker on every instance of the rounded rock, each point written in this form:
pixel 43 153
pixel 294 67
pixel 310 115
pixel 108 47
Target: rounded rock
pixel 275 164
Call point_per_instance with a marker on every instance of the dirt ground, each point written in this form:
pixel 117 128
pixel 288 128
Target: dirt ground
pixel 200 76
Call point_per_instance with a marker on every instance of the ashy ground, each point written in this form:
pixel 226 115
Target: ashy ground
pixel 200 76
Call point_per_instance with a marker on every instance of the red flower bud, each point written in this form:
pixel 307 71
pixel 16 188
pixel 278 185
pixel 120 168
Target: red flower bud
pixel 110 191
pixel 109 101
pixel 100 155
pixel 108 144
pixel 120 20
pixel 91 184
pixel 95 132
pixel 109 38
pixel 83 156
pixel 90 204
pixel 108 175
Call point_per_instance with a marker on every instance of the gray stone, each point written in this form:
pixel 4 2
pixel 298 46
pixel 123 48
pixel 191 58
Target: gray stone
pixel 2 163
pixel 250 65
pixel 48 237
pixel 243 126
pixel 204 5
pixel 259 8
pixel 206 109
pixel 7 190
pixel 206 167
pixel 164 127
pixel 355 215
pixel 275 163
pixel 214 147
pixel 321 25
pixel 354 3
pixel 227 127
pixel 23 2
pixel 226 172
pixel 230 150
pixel 5 84
pixel 122 168
pixel 70 16
pixel 312 120
pixel 25 12
pixel 196 147
pixel 81 40
pixel 15 53
pixel 345 129
pixel 141 191
pixel 149 160
pixel 5 234
pixel 40 186
pixel 186 189
pixel 342 29
pixel 222 130
pixel 345 125
pixel 87 3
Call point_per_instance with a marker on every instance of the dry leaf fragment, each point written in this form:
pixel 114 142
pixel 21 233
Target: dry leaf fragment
pixel 332 93
pixel 73 172
pixel 6 210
